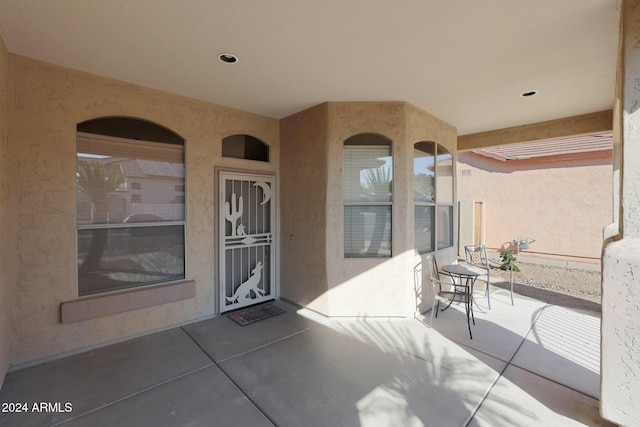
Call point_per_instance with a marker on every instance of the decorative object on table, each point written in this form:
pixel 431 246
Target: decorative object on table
pixel 255 314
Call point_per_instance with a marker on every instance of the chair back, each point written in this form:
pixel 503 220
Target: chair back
pixel 433 267
pixel 476 255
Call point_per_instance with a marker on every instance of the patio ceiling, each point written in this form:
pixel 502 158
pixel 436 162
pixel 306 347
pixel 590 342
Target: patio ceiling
pixel 465 62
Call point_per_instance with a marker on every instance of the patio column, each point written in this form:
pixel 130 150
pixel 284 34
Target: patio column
pixel 620 260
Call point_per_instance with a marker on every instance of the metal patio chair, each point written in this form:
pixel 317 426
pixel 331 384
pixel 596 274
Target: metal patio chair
pixel 448 291
pixel 477 260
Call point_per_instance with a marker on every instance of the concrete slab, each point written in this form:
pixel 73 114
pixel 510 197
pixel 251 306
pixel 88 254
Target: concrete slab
pixel 303 369
pixel 93 379
pixel 221 338
pixel 564 346
pixel 521 398
pixel 331 378
pixel 203 398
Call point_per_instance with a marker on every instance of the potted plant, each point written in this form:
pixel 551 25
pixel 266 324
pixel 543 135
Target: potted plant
pixel 508 260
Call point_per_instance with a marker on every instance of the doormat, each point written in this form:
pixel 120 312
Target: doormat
pixel 255 314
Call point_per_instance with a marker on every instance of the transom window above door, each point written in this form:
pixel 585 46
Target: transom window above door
pixel 246 147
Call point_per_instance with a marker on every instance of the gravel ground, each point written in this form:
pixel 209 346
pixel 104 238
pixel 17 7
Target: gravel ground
pixel 562 286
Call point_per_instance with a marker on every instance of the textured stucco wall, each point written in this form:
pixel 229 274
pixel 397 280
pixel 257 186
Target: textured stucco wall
pixel 564 205
pixel 303 192
pixel 7 231
pixel 620 362
pixel 46 104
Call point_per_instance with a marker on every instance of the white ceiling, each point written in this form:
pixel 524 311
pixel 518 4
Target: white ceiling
pixel 464 61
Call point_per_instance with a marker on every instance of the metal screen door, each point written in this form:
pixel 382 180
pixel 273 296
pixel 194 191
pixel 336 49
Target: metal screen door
pixel 246 240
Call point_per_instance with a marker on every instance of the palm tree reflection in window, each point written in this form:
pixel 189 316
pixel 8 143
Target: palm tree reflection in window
pixel 377 187
pixel 98 180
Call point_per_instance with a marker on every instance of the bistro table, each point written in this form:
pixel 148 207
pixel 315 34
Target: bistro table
pixel 463 288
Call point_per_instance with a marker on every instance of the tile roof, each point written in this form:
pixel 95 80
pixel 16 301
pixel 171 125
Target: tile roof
pixel 550 147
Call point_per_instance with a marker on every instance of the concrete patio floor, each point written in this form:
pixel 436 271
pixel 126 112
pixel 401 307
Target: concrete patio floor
pixel 530 365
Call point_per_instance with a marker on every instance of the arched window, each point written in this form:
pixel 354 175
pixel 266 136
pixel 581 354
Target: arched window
pixel 367 177
pixel 130 205
pixel 433 196
pixel 245 147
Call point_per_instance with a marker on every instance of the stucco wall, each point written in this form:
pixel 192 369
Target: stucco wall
pixel 563 205
pixel 7 231
pixel 620 362
pixel 47 103
pixel 303 198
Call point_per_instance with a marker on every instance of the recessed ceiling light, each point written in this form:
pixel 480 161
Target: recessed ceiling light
pixel 229 58
pixel 529 93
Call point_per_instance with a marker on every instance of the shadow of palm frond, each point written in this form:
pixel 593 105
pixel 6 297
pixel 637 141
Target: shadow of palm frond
pixel 432 381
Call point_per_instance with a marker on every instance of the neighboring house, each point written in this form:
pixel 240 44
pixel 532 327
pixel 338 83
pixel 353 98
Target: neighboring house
pixel 557 192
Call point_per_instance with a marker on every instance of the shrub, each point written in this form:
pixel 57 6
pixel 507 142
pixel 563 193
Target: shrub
pixel 508 260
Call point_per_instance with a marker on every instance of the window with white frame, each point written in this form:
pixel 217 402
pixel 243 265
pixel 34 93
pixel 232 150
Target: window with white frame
pixel 433 197
pixel 130 212
pixel 367 177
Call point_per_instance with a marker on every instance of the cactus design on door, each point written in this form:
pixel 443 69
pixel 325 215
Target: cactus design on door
pixel 246 248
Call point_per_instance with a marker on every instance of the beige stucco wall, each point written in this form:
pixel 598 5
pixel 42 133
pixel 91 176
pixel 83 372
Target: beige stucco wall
pixel 620 364
pixel 313 228
pixel 46 104
pixel 563 205
pixel 7 230
pixel 303 198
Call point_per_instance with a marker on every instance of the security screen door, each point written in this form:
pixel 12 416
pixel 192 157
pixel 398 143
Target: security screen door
pixel 246 241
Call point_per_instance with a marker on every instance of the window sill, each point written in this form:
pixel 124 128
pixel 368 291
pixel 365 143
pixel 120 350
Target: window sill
pixel 106 305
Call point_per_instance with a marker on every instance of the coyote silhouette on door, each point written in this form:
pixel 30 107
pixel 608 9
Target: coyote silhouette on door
pixel 243 293
pixel 246 224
